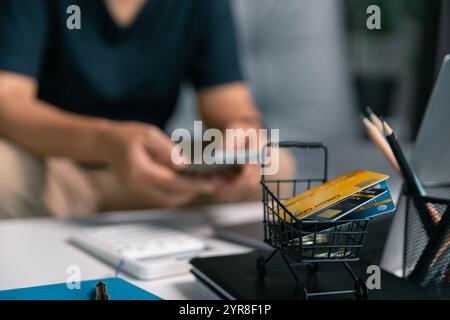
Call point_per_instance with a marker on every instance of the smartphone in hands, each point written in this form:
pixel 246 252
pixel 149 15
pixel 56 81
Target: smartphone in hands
pixel 224 164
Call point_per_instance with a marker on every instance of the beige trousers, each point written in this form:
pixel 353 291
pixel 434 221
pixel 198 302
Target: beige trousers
pixel 31 186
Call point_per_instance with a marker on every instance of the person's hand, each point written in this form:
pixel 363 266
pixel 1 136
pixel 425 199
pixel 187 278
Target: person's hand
pixel 244 186
pixel 141 157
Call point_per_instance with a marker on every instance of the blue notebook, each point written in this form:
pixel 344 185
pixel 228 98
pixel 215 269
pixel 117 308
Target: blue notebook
pixel 118 289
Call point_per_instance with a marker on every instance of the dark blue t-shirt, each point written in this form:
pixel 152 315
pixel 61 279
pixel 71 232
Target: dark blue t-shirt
pixel 130 73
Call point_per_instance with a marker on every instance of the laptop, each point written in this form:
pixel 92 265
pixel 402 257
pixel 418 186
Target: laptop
pixel 431 157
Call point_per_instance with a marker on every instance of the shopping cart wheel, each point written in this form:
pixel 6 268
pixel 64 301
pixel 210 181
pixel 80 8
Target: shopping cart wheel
pixel 313 267
pixel 300 293
pixel 261 266
pixel 361 291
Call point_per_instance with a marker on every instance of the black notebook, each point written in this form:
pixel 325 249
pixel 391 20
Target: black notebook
pixel 235 277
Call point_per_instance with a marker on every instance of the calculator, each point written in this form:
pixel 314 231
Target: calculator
pixel 145 251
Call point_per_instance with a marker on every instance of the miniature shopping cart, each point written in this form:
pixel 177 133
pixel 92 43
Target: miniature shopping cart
pixel 304 242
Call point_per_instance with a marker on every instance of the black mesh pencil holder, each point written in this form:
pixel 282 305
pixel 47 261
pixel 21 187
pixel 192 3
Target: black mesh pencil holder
pixel 426 258
pixel 305 242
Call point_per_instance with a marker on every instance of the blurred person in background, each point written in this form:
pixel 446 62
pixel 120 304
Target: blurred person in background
pixel 81 111
pixel 294 57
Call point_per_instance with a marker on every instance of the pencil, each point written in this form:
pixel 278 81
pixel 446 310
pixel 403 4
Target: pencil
pixel 412 182
pixel 381 142
pixel 375 119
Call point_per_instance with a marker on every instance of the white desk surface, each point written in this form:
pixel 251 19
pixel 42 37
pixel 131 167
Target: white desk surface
pixel 36 251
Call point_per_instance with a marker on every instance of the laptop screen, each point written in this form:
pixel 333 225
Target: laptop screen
pixel 431 157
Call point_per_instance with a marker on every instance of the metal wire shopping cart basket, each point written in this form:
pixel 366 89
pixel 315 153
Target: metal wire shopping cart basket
pixel 305 242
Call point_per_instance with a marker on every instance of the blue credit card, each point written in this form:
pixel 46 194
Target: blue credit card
pixel 382 204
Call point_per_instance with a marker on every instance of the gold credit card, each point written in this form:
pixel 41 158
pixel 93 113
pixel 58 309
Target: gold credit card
pixel 331 192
